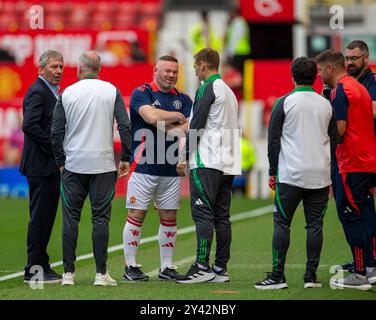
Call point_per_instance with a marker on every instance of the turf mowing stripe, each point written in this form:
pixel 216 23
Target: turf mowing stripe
pixel 236 217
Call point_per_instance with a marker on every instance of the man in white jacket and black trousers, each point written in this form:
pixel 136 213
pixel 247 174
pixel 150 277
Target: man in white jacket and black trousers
pixel 213 151
pixel 82 138
pixel 301 142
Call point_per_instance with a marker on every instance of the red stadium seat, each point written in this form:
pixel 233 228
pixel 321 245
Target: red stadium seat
pixel 101 22
pixel 123 22
pixel 150 8
pixel 54 22
pixel 53 8
pixel 79 16
pixel 150 15
pixel 104 7
pixel 149 22
pixel 9 7
pixel 8 22
pixel 127 8
pixel 78 9
pixel 21 6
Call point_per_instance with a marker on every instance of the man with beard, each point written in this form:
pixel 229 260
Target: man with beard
pixel 356 158
pixel 159 114
pixel 356 61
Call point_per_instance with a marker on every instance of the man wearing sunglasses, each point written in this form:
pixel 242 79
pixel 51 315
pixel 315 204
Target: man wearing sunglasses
pixel 356 60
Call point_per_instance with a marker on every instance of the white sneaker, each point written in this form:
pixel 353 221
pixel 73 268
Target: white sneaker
pixel 354 280
pixel 68 279
pixel 104 280
pixel 371 275
pixel 220 276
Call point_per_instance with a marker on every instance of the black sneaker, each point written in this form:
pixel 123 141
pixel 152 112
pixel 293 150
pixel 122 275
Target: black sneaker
pixel 350 267
pixel 271 283
pixel 53 273
pixel 168 273
pixel 310 281
pixel 134 273
pixel 45 277
pixel 220 276
pixel 196 274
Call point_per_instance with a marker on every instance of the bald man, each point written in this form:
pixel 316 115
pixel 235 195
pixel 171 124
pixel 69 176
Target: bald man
pixel 82 137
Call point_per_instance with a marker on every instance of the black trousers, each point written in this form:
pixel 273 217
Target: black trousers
pixel 356 212
pixel 287 199
pixel 210 204
pixel 43 202
pixel 75 188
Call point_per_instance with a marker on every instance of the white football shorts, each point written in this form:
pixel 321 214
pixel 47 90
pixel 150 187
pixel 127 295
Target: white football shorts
pixel 142 188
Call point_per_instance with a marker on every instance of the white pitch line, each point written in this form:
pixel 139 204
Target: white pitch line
pixel 11 276
pixel 236 217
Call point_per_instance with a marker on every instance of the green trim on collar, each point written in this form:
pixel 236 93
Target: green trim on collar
pixel 89 76
pixel 213 77
pixel 303 88
pixel 204 83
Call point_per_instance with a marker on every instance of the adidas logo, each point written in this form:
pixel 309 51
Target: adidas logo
pixel 199 202
pixel 133 243
pixel 156 103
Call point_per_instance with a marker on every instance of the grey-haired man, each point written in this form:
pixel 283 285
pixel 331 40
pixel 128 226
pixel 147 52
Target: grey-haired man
pixel 38 165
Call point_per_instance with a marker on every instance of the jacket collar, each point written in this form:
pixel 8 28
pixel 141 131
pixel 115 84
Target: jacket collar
pixel 48 90
pixel 303 88
pixel 156 89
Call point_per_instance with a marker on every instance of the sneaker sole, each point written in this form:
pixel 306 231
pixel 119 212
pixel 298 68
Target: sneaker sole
pixel 312 285
pixel 44 282
pixel 219 279
pixel 129 279
pixel 165 278
pixel 372 280
pixel 104 284
pixel 200 279
pixel 67 283
pixel 363 287
pixel 273 286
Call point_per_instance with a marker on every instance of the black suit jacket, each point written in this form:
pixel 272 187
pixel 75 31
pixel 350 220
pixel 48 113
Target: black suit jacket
pixel 38 107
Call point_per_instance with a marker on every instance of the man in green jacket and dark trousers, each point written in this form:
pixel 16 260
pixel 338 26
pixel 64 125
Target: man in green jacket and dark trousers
pixel 213 152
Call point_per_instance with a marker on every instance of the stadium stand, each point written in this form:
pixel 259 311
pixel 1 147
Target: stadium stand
pixel 75 15
pixel 123 31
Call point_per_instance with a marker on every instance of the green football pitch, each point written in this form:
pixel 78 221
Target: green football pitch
pixel 250 257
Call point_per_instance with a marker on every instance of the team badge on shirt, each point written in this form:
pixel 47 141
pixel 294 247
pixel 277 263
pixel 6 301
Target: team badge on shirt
pixel 177 104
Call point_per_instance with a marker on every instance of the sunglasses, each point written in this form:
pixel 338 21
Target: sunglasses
pixel 354 58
